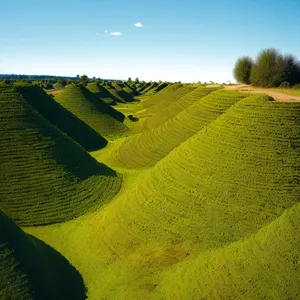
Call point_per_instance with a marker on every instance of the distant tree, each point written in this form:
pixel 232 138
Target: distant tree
pixel 137 80
pixel 242 69
pixel 129 79
pixel 272 68
pixel 84 80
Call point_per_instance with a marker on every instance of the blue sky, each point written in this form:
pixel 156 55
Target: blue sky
pixel 187 40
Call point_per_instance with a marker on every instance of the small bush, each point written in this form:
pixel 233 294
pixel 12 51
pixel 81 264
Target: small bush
pixel 285 85
pixel 296 86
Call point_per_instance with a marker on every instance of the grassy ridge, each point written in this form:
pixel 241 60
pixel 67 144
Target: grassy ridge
pixel 202 222
pixel 30 269
pixel 45 176
pixel 62 118
pixel 202 106
pixel 91 110
pixel 102 93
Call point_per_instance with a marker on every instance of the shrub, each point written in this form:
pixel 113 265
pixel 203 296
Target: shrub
pixel 242 69
pixel 296 86
pixel 285 85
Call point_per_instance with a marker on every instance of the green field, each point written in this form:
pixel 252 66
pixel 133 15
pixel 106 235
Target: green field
pixel 196 199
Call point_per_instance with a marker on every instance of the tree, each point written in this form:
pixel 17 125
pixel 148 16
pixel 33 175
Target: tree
pixel 137 80
pixel 242 69
pixel 84 80
pixel 129 79
pixel 272 68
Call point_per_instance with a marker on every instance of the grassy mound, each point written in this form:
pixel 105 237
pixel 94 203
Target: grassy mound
pixel 264 266
pixel 203 105
pixel 30 269
pixel 120 91
pixel 62 118
pixel 102 93
pixel 45 176
pixel 149 89
pixel 91 110
pixel 218 217
pixel 224 183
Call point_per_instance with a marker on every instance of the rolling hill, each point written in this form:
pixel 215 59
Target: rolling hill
pixel 90 109
pixel 45 176
pixel 30 269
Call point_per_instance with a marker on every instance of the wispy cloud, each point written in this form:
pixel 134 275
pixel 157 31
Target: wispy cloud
pixel 97 33
pixel 105 31
pixel 138 24
pixel 116 33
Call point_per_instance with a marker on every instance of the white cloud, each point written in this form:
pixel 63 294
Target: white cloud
pixel 97 33
pixel 116 33
pixel 138 24
pixel 105 31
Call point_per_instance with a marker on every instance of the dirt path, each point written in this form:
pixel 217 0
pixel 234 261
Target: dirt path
pixel 276 95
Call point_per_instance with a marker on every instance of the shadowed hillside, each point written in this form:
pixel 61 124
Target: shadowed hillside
pixel 91 110
pixel 62 118
pixel 45 176
pixel 202 106
pixel 201 222
pixel 102 93
pixel 30 269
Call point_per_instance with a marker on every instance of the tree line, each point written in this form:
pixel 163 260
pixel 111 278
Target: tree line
pixel 269 69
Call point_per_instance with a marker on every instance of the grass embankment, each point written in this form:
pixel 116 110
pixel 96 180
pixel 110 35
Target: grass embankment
pixel 218 217
pixel 62 118
pixel 194 111
pixel 93 111
pixel 30 269
pixel 45 176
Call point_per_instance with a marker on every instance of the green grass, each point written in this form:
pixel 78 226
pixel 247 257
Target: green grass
pixel 30 269
pixel 217 218
pixel 102 93
pixel 45 176
pixel 193 112
pixel 62 118
pixel 97 114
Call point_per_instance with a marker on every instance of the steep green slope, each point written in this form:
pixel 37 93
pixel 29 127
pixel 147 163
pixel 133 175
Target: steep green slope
pixel 62 118
pixel 150 88
pixel 114 92
pixel 264 266
pixel 163 94
pixel 45 176
pixel 30 269
pixel 201 207
pixel 102 93
pixel 225 182
pixel 166 108
pixel 91 110
pixel 123 94
pixel 202 106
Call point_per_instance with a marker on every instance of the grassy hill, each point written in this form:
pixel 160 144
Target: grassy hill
pixel 91 110
pixel 62 118
pixel 217 218
pixel 30 269
pixel 102 93
pixel 194 111
pixel 45 176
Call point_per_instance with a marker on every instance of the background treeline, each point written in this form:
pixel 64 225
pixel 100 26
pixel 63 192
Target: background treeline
pixel 270 69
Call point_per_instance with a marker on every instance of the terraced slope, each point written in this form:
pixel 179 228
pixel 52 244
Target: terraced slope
pixel 30 269
pixel 264 266
pixel 166 108
pixel 102 93
pixel 118 98
pixel 45 176
pixel 203 105
pixel 163 94
pixel 142 87
pixel 216 218
pixel 223 184
pixel 62 118
pixel 150 88
pixel 91 110
pixel 121 92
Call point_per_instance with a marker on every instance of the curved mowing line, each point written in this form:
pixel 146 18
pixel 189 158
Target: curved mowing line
pixel 94 112
pixel 45 177
pixel 235 176
pixel 264 266
pixel 30 269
